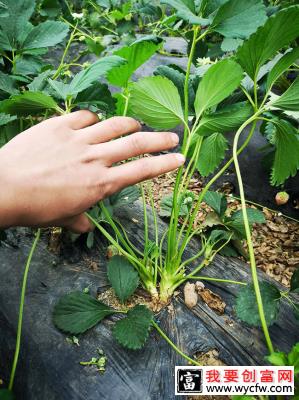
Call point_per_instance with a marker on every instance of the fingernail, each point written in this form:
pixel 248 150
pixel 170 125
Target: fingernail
pixel 174 138
pixel 181 159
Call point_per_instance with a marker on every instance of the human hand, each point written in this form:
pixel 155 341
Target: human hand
pixel 53 172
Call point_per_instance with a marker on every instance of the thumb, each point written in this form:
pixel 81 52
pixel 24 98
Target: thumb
pixel 78 224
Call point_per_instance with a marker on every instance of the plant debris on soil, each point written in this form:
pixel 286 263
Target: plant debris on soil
pixel 211 358
pixel 212 300
pixel 139 297
pixel 276 243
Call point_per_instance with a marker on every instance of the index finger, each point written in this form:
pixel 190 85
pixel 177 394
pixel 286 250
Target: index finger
pixel 140 170
pixel 110 129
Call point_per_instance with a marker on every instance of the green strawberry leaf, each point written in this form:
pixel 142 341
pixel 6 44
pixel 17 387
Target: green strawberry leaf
pixel 219 235
pixel 123 277
pixel 6 118
pixel 268 39
pixel 132 331
pixel 230 44
pixel 220 80
pixel 9 131
pixel 60 90
pixel 216 201
pixel 40 82
pixel 239 18
pixel 15 26
pixel 293 358
pixel 236 223
pixel 289 100
pixel 97 95
pixel 285 138
pixel 88 76
pixel 246 306
pixel 178 77
pixel 46 34
pixel 166 205
pixel 186 10
pixel 156 101
pixel 5 43
pixel 3 10
pixel 209 7
pixel 125 197
pixel 295 282
pixel 16 8
pixel 225 119
pixel 278 359
pixel 8 84
pixel 94 45
pixel 296 311
pixel 6 394
pixel 136 54
pixel 50 8
pixel 281 66
pixel 77 312
pixel 28 103
pixel 28 65
pixel 211 153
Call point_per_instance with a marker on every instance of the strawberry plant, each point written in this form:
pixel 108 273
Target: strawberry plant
pixel 206 106
pixel 157 101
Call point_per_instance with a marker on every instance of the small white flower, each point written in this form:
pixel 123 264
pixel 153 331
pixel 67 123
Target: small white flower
pixel 204 61
pixel 77 15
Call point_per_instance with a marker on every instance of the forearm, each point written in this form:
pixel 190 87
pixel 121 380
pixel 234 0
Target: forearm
pixel 8 202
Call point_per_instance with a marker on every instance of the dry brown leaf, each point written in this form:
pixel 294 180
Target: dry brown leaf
pixel 213 300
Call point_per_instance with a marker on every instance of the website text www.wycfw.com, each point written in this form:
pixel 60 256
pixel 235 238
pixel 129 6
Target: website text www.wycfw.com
pixel 223 380
pixel 252 389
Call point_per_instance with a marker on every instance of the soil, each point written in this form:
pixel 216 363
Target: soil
pixel 276 243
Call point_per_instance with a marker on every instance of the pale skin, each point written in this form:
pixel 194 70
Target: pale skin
pixel 53 172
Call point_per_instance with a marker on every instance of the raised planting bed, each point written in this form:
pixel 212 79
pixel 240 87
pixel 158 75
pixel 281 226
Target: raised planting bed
pixel 49 365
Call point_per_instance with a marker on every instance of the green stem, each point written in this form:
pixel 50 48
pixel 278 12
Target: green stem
pixel 195 257
pixel 107 235
pixel 75 27
pixel 248 97
pixel 175 211
pixel 116 230
pixel 207 278
pixel 197 269
pixel 126 95
pixel 146 278
pixel 154 213
pixel 21 310
pixel 68 6
pixel 249 239
pixel 134 248
pixel 186 181
pixel 8 58
pixel 285 295
pixel 164 336
pixel 61 65
pixel 145 219
pixel 210 183
pixel 191 165
pixel 188 238
pixel 207 260
pixel 255 92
